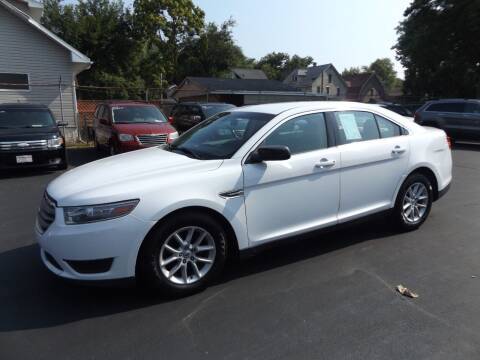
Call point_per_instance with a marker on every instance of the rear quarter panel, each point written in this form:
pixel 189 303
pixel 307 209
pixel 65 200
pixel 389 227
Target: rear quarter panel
pixel 429 148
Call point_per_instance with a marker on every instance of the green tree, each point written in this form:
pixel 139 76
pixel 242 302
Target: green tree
pixel 438 44
pixel 100 29
pixel 277 65
pixel 352 71
pixel 212 53
pixel 384 69
pixel 165 26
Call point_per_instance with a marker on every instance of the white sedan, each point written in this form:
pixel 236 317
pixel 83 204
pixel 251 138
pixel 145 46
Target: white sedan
pixel 173 215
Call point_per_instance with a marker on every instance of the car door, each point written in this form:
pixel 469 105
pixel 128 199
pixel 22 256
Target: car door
pixel 453 117
pixel 374 159
pixel 286 197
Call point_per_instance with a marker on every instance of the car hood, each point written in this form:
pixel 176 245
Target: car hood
pixel 137 129
pixel 124 176
pixel 39 133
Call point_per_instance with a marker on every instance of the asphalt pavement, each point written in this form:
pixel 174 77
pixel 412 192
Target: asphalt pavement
pixel 328 296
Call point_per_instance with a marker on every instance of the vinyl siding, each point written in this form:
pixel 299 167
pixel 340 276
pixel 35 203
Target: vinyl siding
pixel 26 50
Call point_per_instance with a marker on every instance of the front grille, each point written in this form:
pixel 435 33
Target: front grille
pixel 46 213
pixel 153 139
pixel 23 145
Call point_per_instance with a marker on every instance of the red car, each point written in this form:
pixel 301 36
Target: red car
pixel 126 126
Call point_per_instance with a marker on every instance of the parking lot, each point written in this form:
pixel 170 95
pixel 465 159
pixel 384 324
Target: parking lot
pixel 328 296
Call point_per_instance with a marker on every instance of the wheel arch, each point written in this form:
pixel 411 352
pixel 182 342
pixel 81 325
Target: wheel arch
pixel 232 237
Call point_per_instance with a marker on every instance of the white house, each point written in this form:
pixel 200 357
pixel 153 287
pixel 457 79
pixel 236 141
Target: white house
pixel 322 79
pixel 36 66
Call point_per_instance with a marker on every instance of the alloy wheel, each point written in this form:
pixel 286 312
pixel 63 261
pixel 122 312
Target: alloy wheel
pixel 187 255
pixel 415 203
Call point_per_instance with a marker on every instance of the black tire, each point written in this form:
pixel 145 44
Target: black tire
pixel 398 215
pixel 112 150
pixel 149 272
pixel 63 165
pixel 97 145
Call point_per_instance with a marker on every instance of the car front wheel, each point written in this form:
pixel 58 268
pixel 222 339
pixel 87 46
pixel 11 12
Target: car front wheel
pixel 413 203
pixel 184 254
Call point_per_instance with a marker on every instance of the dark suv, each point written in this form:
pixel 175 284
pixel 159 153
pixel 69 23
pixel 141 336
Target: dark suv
pixel 459 118
pixel 30 137
pixel 188 114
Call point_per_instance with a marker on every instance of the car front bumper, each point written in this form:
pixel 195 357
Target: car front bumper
pixel 40 158
pixel 103 250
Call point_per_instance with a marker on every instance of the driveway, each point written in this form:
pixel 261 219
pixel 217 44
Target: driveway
pixel 328 296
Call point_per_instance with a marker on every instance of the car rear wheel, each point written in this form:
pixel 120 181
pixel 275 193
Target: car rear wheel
pixel 183 255
pixel 413 203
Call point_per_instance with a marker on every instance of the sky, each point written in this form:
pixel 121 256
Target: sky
pixel 345 33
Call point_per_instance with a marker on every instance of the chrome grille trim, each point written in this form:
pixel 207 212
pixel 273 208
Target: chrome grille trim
pixel 24 145
pixel 46 213
pixel 152 139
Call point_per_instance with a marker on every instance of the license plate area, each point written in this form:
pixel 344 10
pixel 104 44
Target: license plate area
pixel 21 159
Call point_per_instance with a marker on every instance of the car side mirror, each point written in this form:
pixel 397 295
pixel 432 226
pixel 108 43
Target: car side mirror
pixel 62 124
pixel 269 153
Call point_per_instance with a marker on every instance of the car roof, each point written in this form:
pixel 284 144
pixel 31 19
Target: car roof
pixel 23 106
pixel 203 103
pixel 451 100
pixel 277 108
pixel 124 103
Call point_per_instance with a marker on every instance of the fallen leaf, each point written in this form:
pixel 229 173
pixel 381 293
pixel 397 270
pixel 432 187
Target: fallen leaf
pixel 406 292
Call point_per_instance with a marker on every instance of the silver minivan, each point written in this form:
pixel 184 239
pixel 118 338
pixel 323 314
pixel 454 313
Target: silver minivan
pixel 459 118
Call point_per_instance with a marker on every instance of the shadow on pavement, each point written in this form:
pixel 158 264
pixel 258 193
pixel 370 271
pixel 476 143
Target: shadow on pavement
pixel 31 297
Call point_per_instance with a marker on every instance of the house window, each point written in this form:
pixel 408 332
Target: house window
pixel 338 91
pixel 329 78
pixel 328 90
pixel 9 81
pixel 318 89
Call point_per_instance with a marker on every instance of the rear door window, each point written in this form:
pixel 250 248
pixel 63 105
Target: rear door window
pixel 354 126
pixel 387 128
pixel 453 107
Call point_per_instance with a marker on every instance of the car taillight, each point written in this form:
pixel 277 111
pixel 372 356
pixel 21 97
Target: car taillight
pixel 170 119
pixel 449 142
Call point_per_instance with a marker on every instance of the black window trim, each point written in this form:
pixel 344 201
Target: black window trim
pixel 22 90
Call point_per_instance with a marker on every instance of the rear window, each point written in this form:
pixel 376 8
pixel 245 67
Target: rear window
pixel 137 114
pixel 210 110
pixel 457 107
pixel 25 118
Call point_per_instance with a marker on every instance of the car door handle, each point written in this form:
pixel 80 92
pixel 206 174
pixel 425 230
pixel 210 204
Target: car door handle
pixel 398 150
pixel 325 163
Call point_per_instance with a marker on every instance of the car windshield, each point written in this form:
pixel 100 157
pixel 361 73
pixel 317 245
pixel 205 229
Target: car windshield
pixel 137 114
pixel 25 118
pixel 210 110
pixel 220 136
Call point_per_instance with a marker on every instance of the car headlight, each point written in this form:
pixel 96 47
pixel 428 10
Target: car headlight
pixel 93 213
pixel 125 137
pixel 55 142
pixel 173 135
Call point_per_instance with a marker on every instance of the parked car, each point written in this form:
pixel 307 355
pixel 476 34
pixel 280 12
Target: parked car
pixel 173 215
pixel 188 114
pixel 30 137
pixel 399 109
pixel 126 126
pixel 459 118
